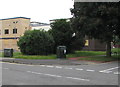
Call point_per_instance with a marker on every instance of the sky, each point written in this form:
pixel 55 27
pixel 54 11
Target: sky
pixel 37 10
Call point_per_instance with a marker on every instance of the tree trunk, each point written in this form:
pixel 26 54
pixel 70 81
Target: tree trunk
pixel 108 49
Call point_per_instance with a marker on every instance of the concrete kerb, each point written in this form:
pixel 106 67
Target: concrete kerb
pixel 47 61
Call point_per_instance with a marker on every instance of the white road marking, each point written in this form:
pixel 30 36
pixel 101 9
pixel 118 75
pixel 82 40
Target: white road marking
pixel 13 63
pixel 78 69
pixel 30 65
pixel 105 71
pixel 90 70
pixel 111 69
pixel 28 71
pixel 52 75
pixel 68 68
pixel 58 76
pixel 36 73
pixel 78 78
pixel 44 74
pixel 42 65
pixel 20 64
pixel 117 73
pixel 50 66
pixel 58 67
pixel 16 63
pixel 108 70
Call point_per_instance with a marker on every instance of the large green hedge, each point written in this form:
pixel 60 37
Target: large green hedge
pixel 36 42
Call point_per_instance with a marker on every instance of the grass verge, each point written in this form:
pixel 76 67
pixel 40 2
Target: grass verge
pixel 95 55
pixel 116 50
pixel 85 53
pixel 76 54
pixel 88 55
pixel 102 58
pixel 1 54
pixel 21 56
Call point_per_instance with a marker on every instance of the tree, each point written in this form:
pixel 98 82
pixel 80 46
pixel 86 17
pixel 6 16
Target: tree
pixel 63 35
pixel 97 20
pixel 36 42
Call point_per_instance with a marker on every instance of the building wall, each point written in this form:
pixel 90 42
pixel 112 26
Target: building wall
pixel 0 34
pixel 10 40
pixel 95 45
pixel 99 46
pixel 44 27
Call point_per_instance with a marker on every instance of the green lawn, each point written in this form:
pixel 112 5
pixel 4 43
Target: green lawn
pixel 94 55
pixel 89 55
pixel 20 55
pixel 1 54
pixel 102 58
pixel 76 54
pixel 85 53
pixel 116 50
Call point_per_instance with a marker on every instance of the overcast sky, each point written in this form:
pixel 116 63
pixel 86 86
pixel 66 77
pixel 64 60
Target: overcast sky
pixel 37 10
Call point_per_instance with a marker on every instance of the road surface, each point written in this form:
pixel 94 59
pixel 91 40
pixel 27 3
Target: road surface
pixel 93 74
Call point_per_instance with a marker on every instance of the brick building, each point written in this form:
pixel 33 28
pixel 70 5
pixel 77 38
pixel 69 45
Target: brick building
pixel 10 31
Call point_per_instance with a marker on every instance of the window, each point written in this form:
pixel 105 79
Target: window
pixel 15 31
pixel 25 27
pixel 6 31
pixel 15 22
pixel 87 43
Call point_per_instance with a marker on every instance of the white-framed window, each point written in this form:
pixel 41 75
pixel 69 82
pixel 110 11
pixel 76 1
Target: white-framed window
pixel 6 31
pixel 15 31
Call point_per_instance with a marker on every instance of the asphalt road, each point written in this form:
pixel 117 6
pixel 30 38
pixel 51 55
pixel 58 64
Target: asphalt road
pixel 93 74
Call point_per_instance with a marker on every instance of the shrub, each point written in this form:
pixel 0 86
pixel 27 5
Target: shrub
pixel 36 42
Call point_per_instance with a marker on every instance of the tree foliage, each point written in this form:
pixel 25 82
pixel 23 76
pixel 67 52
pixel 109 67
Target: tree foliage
pixel 63 35
pixel 36 42
pixel 97 20
pixel 116 41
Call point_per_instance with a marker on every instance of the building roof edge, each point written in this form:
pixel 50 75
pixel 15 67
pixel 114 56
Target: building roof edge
pixel 15 18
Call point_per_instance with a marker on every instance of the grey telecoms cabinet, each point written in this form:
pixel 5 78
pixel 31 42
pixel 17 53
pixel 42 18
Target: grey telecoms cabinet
pixel 8 52
pixel 61 52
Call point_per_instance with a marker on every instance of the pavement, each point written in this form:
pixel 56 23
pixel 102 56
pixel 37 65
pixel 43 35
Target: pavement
pixel 47 61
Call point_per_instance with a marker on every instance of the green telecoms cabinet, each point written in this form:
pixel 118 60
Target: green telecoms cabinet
pixel 61 52
pixel 8 52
